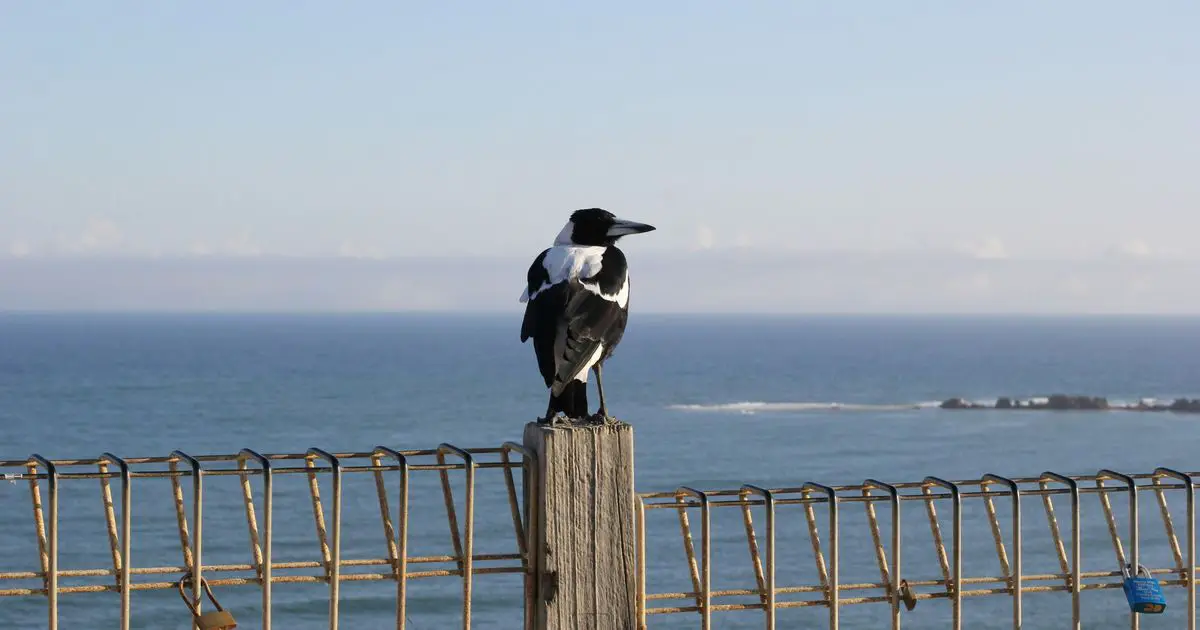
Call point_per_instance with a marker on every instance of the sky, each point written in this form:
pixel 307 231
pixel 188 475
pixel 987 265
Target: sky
pixel 948 152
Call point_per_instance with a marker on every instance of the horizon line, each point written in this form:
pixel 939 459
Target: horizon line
pixel 8 312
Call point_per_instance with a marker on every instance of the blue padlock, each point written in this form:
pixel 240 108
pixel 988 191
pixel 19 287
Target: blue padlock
pixel 1143 591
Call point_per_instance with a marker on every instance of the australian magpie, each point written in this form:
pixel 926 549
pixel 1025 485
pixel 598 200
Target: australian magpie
pixel 577 304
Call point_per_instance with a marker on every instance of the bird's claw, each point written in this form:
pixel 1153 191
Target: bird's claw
pixel 553 420
pixel 602 418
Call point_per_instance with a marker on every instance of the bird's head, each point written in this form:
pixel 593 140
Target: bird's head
pixel 597 227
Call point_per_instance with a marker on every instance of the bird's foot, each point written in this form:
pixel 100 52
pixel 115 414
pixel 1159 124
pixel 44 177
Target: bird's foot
pixel 551 420
pixel 559 419
pixel 602 418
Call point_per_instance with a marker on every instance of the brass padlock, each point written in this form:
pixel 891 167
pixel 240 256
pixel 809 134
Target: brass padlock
pixel 906 595
pixel 219 619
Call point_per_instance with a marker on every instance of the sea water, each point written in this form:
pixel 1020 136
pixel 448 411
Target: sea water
pixel 716 401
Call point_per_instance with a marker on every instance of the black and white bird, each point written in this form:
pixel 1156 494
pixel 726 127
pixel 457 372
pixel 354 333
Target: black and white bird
pixel 577 304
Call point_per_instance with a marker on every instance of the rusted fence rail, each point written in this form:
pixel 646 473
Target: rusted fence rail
pixel 391 469
pixel 824 519
pixel 897 590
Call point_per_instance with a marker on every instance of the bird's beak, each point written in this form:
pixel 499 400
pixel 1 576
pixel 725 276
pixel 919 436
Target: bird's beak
pixel 625 228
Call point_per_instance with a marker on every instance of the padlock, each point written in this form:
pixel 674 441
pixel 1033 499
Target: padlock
pixel 1143 591
pixel 906 595
pixel 219 619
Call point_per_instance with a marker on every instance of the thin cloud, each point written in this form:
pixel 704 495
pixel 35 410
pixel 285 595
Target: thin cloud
pixel 20 249
pixel 242 244
pixel 101 234
pixel 991 248
pixel 1139 249
pixel 705 237
pixel 1136 248
pixel 99 237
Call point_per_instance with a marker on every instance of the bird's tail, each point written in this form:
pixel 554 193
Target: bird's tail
pixel 572 400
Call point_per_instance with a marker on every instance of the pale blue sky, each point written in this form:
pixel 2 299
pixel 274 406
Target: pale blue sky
pixel 1016 129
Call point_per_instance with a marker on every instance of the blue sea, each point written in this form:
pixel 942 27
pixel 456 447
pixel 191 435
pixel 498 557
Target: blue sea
pixel 716 401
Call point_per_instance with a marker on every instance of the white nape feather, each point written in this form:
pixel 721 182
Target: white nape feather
pixel 562 240
pixel 564 236
pixel 564 262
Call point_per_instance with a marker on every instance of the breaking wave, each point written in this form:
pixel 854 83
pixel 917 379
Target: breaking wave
pixel 750 407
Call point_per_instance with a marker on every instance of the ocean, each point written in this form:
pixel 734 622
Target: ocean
pixel 716 401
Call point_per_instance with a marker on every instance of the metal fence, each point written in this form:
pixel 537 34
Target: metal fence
pixel 391 468
pixel 898 590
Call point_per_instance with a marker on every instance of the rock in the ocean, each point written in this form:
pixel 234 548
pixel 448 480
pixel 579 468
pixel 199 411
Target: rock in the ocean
pixel 1064 402
pixel 1067 402
pixel 955 403
pixel 1183 404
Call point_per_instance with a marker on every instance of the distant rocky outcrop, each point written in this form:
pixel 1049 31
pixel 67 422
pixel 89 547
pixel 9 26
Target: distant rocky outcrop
pixel 1064 402
pixel 1067 402
pixel 956 403
pixel 1183 404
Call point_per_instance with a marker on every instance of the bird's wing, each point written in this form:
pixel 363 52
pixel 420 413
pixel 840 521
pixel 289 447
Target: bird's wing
pixel 536 280
pixel 586 319
pixel 536 277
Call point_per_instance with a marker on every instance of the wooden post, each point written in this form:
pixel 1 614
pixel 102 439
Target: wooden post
pixel 584 544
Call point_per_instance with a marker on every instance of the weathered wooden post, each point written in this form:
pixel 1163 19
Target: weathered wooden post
pixel 584 542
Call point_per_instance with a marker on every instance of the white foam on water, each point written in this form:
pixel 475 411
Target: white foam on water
pixel 751 407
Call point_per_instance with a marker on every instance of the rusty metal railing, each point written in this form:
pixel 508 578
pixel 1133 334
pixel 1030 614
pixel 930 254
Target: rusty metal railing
pixel 897 590
pixel 389 467
pixel 770 590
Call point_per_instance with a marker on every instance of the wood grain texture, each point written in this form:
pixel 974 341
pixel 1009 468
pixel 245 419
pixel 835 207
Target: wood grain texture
pixel 585 542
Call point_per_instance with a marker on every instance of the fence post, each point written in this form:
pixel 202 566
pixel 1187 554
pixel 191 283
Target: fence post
pixel 584 540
